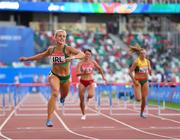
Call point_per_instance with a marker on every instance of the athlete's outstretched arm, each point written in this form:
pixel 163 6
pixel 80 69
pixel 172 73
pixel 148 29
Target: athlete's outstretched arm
pixel 36 57
pixel 76 54
pixel 99 69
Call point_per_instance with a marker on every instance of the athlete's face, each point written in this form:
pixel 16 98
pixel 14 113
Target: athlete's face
pixel 143 54
pixel 87 55
pixel 60 37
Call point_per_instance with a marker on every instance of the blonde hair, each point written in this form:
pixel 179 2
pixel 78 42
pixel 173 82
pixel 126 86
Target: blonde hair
pixel 135 49
pixel 60 30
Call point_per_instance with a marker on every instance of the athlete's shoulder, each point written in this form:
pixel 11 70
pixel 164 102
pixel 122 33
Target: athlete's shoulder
pixel 50 49
pixel 148 61
pixel 67 46
pixel 137 60
pixel 94 62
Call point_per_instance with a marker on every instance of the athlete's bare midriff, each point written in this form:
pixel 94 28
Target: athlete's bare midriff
pixel 60 70
pixel 87 77
pixel 141 76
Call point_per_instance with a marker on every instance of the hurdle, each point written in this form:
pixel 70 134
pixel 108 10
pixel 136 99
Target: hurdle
pixel 114 87
pixel 77 110
pixel 166 89
pixel 6 98
pixel 2 107
pixel 125 88
pixel 72 98
pixel 153 89
pixel 21 95
pixel 69 106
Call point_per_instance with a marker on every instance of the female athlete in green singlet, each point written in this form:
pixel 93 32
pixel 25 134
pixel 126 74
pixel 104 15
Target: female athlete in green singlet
pixel 59 77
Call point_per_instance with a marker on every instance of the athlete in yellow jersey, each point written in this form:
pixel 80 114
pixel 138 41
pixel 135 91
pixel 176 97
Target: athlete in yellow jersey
pixel 139 72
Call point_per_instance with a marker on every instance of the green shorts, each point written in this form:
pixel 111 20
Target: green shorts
pixel 63 79
pixel 142 82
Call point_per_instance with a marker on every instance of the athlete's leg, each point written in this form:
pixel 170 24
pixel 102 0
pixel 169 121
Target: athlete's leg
pixel 137 92
pixel 144 92
pixel 82 90
pixel 91 90
pixel 64 89
pixel 54 84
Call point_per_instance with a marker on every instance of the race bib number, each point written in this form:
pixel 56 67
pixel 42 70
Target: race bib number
pixel 87 68
pixel 143 70
pixel 57 58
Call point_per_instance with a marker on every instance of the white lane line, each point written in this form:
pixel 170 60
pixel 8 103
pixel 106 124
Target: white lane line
pixel 132 127
pixel 66 127
pixel 8 118
pixel 163 118
pixel 160 117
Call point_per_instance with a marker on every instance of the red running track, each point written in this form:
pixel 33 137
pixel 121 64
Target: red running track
pixel 30 118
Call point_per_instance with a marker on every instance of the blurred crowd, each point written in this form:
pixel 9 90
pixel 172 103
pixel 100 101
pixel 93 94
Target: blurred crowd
pixel 107 1
pixel 115 59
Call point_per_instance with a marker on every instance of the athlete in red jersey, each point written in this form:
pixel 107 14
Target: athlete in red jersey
pixel 85 70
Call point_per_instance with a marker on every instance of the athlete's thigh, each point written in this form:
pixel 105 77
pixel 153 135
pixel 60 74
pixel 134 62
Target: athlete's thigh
pixel 82 90
pixel 65 87
pixel 54 83
pixel 91 90
pixel 145 89
pixel 137 91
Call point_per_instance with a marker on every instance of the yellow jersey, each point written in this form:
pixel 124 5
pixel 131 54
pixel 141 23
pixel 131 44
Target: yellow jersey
pixel 141 71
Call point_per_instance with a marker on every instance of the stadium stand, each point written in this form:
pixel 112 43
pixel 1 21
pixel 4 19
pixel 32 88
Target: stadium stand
pixel 150 31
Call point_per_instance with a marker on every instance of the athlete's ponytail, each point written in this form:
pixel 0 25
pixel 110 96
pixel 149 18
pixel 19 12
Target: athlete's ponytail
pixel 135 49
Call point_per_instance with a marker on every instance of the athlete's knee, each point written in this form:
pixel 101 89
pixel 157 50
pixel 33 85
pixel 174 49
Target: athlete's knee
pixel 81 102
pixel 55 94
pixel 55 90
pixel 144 96
pixel 138 99
pixel 81 99
pixel 90 96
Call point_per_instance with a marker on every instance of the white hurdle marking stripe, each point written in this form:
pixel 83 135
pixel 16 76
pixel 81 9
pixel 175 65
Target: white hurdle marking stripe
pixel 31 109
pixel 79 114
